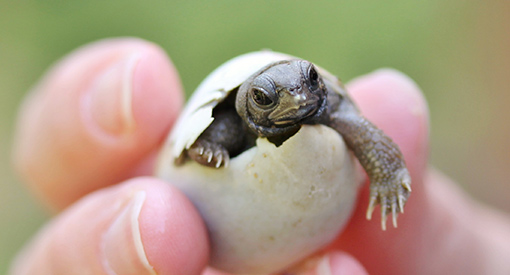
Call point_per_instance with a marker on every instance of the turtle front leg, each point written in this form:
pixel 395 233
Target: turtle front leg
pixel 390 183
pixel 209 153
pixel 223 138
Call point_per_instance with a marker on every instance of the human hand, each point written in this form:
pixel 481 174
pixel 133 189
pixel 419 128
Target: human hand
pixel 90 130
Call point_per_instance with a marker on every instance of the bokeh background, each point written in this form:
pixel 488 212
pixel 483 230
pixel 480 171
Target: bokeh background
pixel 457 51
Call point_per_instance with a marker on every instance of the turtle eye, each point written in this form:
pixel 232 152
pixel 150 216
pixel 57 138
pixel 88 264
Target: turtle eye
pixel 261 98
pixel 314 77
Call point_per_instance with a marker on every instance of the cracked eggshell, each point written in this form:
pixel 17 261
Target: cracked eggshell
pixel 197 115
pixel 272 206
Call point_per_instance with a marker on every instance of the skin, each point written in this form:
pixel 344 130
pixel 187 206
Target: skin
pixel 278 99
pixel 444 231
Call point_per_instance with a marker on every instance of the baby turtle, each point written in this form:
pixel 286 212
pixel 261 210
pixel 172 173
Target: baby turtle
pixel 267 94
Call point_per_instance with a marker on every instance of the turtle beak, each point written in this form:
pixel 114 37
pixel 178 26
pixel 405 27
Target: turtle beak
pixel 294 106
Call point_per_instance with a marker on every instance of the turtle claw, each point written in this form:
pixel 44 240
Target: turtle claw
pixel 391 196
pixel 221 157
pixel 406 183
pixel 209 154
pixel 401 200
pixel 394 214
pixel 371 207
pixel 384 211
pixel 383 219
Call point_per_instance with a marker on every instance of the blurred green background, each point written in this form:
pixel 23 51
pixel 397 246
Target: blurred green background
pixel 457 51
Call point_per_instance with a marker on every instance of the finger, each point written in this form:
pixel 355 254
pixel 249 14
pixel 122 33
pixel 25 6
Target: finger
pixel 339 263
pixel 94 117
pixel 395 104
pixel 143 226
pixel 473 238
pixel 450 234
pixel 437 233
pixel 334 262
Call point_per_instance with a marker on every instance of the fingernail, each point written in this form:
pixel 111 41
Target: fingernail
pixel 339 263
pixel 111 96
pixel 324 266
pixel 122 248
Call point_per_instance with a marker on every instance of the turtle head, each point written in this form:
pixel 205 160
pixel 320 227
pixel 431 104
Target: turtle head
pixel 281 97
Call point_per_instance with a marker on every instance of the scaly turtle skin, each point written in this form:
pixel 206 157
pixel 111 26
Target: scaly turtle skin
pixel 276 100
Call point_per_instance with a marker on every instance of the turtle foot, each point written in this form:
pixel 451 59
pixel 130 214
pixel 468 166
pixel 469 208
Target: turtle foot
pixel 209 154
pixel 391 196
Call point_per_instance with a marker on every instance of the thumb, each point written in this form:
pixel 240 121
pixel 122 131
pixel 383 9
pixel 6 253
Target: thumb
pixel 95 117
pixel 142 226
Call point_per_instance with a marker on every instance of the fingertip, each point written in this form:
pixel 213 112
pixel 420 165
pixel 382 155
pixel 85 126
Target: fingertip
pixel 388 88
pixel 333 262
pixel 159 231
pixel 157 94
pixel 388 79
pixel 340 263
pixel 137 96
pixel 94 117
pixel 141 226
pixel 395 103
pixel 173 234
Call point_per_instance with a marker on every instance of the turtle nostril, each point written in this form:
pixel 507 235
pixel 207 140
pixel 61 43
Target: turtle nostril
pixel 294 89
